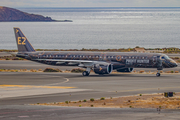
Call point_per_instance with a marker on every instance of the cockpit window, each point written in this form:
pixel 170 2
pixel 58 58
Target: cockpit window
pixel 165 57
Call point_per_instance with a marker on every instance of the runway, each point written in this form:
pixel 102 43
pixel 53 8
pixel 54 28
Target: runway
pixel 22 89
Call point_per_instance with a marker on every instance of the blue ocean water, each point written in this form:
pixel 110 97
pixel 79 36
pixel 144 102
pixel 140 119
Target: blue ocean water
pixel 99 28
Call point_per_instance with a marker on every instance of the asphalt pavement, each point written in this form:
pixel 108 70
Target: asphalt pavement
pixel 19 90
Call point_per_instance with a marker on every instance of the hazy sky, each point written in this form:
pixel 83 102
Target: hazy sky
pixel 90 3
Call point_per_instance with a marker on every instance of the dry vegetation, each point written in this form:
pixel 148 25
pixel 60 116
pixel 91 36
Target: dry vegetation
pixel 10 58
pixel 52 70
pixel 78 70
pixel 21 70
pixel 139 101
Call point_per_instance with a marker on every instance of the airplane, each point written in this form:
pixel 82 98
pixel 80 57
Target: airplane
pixel 99 62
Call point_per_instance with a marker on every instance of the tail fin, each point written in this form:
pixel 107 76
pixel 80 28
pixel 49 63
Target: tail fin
pixel 22 42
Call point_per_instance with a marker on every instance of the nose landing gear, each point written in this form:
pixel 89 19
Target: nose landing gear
pixel 158 74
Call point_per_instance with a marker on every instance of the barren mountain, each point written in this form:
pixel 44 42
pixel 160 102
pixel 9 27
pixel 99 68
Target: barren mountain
pixel 9 14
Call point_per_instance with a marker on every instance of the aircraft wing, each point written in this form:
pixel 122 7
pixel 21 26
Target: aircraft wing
pixel 80 63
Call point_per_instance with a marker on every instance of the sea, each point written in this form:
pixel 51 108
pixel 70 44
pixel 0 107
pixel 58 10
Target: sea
pixel 98 28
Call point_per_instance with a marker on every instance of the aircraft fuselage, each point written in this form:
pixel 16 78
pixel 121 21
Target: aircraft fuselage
pixel 118 59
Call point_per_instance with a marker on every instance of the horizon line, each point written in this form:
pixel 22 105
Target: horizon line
pixel 91 7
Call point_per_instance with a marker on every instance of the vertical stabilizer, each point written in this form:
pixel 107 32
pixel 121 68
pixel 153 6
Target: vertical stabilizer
pixel 22 42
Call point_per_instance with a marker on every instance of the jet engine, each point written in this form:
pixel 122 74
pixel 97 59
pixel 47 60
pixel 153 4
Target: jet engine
pixel 103 68
pixel 125 70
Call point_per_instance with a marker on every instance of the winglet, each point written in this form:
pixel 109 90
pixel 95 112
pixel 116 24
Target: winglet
pixel 22 42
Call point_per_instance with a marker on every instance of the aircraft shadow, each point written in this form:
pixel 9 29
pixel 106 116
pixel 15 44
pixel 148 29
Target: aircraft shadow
pixel 117 75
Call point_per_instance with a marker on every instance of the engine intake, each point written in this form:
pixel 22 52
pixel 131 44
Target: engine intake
pixel 103 68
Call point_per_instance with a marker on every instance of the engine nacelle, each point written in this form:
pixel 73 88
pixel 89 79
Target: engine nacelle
pixel 125 70
pixel 103 68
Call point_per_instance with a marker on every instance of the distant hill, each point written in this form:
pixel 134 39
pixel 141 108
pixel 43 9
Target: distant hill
pixel 9 14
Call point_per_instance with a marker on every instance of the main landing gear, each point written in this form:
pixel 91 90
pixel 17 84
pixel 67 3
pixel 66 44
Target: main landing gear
pixel 87 72
pixel 158 73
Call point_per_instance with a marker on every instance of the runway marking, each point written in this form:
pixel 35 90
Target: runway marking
pixel 31 86
pixel 67 80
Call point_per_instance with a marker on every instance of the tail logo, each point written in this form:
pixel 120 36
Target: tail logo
pixel 100 68
pixel 21 41
pixel 17 30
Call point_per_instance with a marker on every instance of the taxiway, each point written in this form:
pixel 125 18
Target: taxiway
pixel 18 90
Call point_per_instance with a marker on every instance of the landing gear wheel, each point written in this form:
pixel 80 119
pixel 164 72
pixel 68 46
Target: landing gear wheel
pixel 158 74
pixel 85 73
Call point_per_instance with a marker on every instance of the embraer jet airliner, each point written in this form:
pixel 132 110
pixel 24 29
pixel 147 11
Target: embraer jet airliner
pixel 99 62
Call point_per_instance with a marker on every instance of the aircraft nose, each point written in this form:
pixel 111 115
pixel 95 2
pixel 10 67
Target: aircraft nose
pixel 174 63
